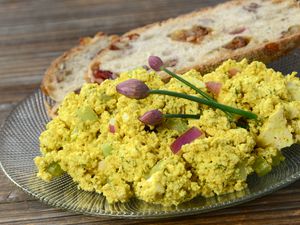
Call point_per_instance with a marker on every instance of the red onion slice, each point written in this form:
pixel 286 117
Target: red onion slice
pixel 111 125
pixel 232 72
pixel 186 138
pixel 112 128
pixel 213 87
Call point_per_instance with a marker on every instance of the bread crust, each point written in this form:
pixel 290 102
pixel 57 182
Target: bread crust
pixel 184 16
pixel 49 81
pixel 57 68
pixel 262 53
pixel 51 110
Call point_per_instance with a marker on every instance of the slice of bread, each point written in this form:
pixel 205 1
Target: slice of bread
pixel 254 29
pixel 66 73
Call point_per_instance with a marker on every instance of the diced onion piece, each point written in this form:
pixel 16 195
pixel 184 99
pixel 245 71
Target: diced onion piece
pixel 111 126
pixel 213 87
pixel 233 71
pixel 186 138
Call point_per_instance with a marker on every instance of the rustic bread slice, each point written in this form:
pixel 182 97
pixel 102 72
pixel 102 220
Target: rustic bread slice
pixel 66 73
pixel 254 29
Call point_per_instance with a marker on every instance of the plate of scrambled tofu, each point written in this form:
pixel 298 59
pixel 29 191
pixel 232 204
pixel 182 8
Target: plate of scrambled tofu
pixel 104 155
pixel 207 126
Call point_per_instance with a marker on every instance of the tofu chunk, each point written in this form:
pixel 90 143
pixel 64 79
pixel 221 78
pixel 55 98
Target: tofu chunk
pixel 294 90
pixel 275 131
pixel 293 110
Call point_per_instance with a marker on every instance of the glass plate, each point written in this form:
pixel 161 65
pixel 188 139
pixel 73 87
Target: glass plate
pixel 19 145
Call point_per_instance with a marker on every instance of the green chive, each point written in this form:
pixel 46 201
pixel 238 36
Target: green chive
pixel 205 95
pixel 187 116
pixel 199 91
pixel 214 104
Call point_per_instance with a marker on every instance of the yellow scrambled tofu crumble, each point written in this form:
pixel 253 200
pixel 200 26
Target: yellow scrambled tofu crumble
pixel 136 160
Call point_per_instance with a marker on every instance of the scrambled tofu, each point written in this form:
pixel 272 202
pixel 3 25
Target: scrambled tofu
pixel 99 141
